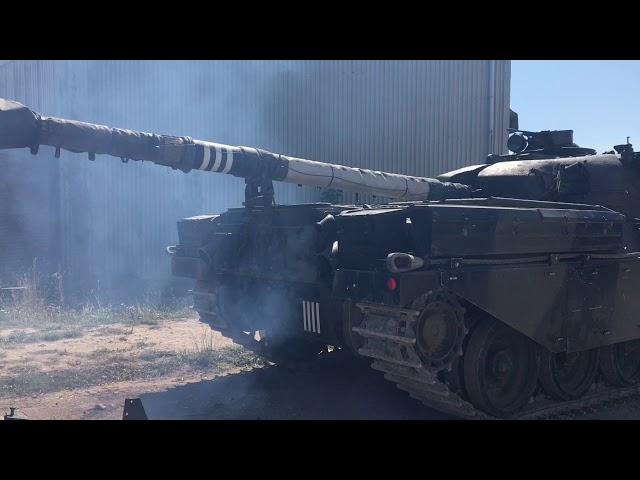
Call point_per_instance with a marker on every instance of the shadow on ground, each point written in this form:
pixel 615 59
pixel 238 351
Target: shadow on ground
pixel 331 388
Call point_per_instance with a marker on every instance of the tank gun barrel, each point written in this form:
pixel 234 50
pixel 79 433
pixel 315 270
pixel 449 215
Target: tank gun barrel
pixel 21 127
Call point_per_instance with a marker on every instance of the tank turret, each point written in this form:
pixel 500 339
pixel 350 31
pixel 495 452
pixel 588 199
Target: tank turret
pixel 549 166
pixel 545 144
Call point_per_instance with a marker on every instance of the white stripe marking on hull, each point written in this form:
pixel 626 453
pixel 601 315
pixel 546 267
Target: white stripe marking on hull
pixel 306 316
pixel 311 316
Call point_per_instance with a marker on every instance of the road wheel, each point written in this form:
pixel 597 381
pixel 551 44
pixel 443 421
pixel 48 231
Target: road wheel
pixel 620 363
pixel 568 376
pixel 500 368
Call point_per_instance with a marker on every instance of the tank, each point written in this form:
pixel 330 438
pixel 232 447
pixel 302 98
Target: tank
pixel 484 293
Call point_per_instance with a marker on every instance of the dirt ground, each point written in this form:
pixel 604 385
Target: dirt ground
pixel 57 365
pixel 87 372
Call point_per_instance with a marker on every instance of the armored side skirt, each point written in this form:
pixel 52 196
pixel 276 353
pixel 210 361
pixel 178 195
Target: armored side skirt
pixel 558 273
pixel 567 305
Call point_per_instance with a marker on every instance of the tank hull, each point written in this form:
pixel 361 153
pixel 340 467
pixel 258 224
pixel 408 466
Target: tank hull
pixel 579 295
pixel 556 274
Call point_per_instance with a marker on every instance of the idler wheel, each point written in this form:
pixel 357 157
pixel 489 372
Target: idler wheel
pixel 500 368
pixel 440 330
pixel 620 363
pixel 567 376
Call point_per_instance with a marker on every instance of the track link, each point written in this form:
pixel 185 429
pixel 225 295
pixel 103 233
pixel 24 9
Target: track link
pixel 389 339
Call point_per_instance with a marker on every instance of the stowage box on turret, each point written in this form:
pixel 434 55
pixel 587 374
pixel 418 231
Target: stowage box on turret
pixel 474 292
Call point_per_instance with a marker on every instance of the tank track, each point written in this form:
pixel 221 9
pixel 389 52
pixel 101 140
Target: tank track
pixel 389 337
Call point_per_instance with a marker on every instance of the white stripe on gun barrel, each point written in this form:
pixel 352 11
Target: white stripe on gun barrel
pixel 229 161
pixel 206 158
pixel 216 163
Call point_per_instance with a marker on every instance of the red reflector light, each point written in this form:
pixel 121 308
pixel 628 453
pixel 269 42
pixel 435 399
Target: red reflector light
pixel 392 284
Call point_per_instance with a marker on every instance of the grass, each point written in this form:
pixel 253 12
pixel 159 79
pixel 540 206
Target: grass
pixel 32 310
pixel 115 367
pixel 17 337
pixel 28 380
pixel 33 320
pixel 219 358
pixel 37 314
pixel 54 322
pixel 205 355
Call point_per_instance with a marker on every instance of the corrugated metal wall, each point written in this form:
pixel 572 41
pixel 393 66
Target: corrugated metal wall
pixel 29 194
pixel 415 117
